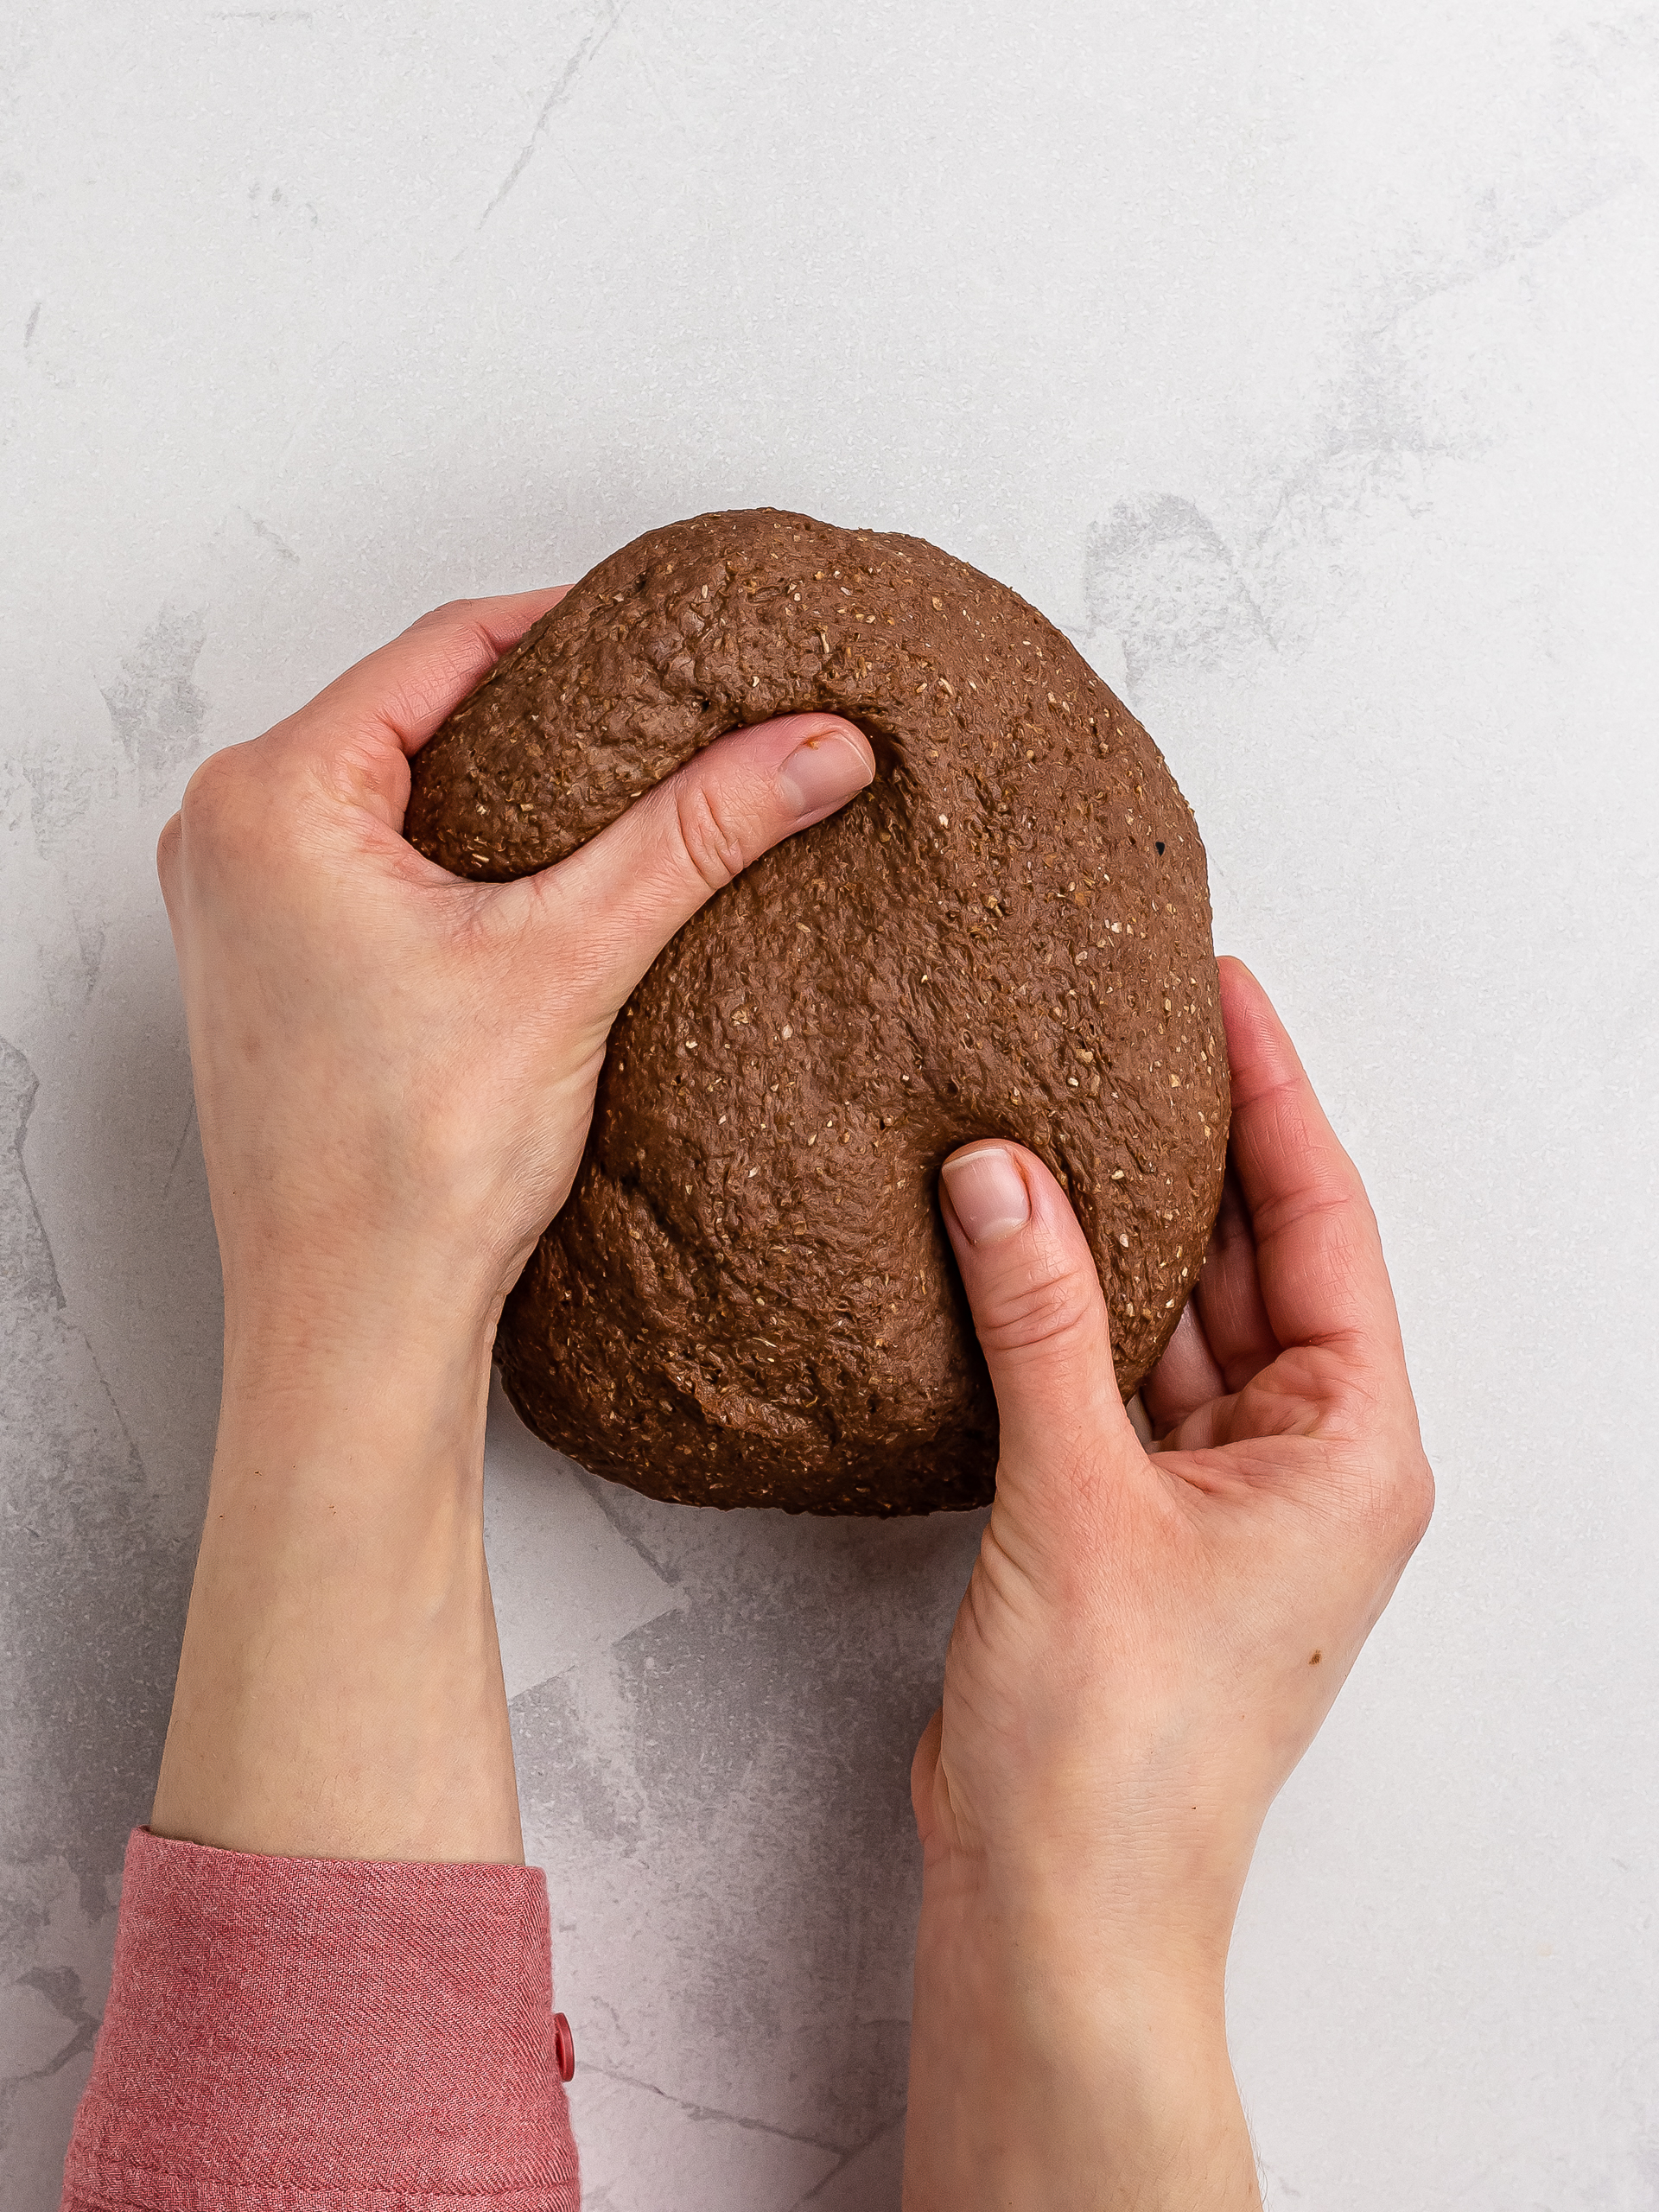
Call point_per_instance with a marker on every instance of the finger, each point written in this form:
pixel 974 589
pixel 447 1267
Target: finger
pixel 1037 1305
pixel 628 890
pixel 362 727
pixel 404 689
pixel 1186 1378
pixel 1229 1294
pixel 1319 1254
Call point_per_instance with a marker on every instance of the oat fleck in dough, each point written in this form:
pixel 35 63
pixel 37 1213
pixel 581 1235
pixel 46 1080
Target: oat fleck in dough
pixel 749 1299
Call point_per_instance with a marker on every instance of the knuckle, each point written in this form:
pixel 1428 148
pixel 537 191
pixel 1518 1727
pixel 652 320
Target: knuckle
pixel 707 842
pixel 460 633
pixel 1395 1502
pixel 1050 1304
pixel 167 854
pixel 227 814
pixel 205 793
pixel 1416 1501
pixel 1354 1405
pixel 211 804
pixel 441 617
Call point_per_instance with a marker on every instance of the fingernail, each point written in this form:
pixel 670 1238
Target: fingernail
pixel 988 1194
pixel 823 772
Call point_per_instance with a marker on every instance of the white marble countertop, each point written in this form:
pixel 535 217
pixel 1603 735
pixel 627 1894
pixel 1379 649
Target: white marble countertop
pixel 1300 362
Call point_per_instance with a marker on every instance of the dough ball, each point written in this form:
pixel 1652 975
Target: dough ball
pixel 749 1299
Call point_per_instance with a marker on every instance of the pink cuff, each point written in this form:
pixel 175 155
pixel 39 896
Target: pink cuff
pixel 322 2035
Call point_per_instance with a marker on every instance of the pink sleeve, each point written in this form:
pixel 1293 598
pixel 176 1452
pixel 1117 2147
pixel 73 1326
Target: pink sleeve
pixel 288 2035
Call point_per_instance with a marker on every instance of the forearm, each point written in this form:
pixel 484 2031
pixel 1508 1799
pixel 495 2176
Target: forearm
pixel 1047 2075
pixel 340 1690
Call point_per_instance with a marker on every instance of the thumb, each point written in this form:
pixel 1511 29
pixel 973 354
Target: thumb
pixel 1037 1304
pixel 629 889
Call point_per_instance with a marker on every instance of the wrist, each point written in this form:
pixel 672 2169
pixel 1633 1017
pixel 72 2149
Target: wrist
pixel 315 1358
pixel 1053 2064
pixel 1127 1910
pixel 295 1301
pixel 1038 1960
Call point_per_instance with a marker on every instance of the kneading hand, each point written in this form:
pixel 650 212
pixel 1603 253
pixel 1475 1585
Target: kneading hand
pixel 394 1073
pixel 1148 1645
pixel 395 1069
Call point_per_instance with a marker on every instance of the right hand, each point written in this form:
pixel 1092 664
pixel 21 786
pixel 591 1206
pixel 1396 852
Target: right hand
pixel 1149 1643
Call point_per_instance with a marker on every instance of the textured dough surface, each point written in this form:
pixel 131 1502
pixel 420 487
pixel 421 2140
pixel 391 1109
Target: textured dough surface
pixel 748 1299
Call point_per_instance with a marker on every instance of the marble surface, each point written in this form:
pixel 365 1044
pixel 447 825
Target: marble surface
pixel 1301 361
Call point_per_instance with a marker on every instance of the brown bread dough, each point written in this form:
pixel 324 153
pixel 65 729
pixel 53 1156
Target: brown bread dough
pixel 749 1299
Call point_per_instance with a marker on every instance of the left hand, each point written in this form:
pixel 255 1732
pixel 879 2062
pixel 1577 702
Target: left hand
pixel 394 1068
pixel 394 1071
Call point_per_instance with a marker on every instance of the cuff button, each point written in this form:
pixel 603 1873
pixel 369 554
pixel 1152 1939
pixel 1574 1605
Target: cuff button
pixel 564 2047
